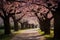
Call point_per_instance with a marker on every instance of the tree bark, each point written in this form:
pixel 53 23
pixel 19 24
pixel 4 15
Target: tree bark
pixel 57 23
pixel 16 27
pixel 41 25
pixel 47 26
pixel 57 27
pixel 21 25
pixel 7 28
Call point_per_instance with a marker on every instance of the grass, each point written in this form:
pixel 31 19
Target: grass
pixel 48 37
pixel 1 31
pixel 8 37
pixel 3 36
pixel 40 32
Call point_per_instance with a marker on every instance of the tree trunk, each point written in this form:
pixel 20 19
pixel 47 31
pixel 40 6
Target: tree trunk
pixel 57 27
pixel 16 27
pixel 21 25
pixel 7 26
pixel 41 25
pixel 47 26
pixel 57 23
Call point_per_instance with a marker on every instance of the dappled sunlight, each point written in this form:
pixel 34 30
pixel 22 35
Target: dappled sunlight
pixel 51 35
pixel 17 32
pixel 32 34
pixel 29 19
pixel 28 34
pixel 47 36
pixel 40 32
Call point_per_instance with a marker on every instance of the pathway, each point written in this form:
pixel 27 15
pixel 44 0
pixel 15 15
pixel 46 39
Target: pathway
pixel 29 34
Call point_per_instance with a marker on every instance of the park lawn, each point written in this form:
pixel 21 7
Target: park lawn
pixel 49 37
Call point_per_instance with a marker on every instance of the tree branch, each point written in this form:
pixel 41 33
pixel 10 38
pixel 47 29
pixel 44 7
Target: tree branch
pixel 20 18
pixel 51 18
pixel 46 14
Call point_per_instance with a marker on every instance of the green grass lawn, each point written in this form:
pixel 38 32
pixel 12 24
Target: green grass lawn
pixel 1 31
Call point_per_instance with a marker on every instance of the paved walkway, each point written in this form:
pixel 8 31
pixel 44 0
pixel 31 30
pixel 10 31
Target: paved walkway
pixel 29 34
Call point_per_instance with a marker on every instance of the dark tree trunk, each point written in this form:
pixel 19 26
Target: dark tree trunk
pixel 16 27
pixel 32 26
pixel 25 25
pixel 41 25
pixel 47 26
pixel 29 26
pixel 7 26
pixel 57 27
pixel 21 25
pixel 57 23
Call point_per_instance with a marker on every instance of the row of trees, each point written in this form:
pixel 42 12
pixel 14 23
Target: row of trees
pixel 9 9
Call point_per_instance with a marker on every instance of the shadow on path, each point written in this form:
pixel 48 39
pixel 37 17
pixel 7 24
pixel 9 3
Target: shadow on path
pixel 29 34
